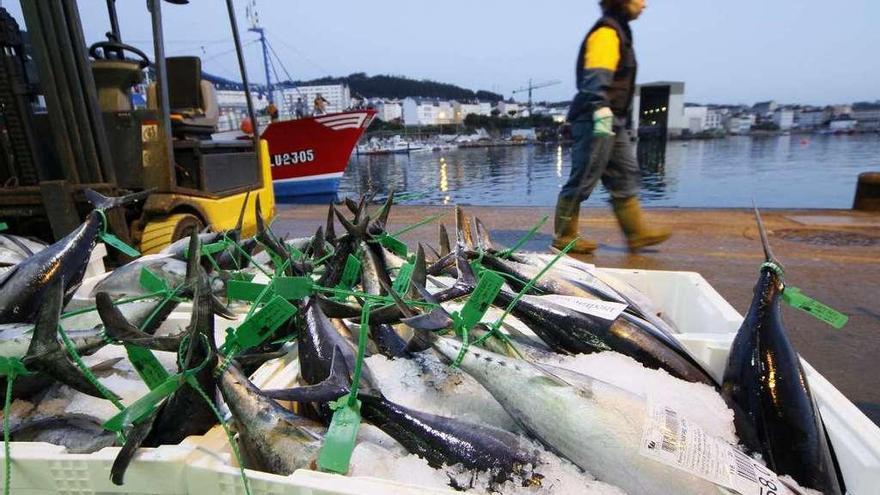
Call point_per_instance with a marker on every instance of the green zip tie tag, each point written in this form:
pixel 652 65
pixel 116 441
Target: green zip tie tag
pixel 393 244
pixel 242 276
pixel 404 275
pixel 798 300
pixel 142 407
pixel 3 226
pixel 339 441
pixel 259 327
pixel 209 249
pixel 117 243
pixel 147 366
pixel 484 294
pixel 335 454
pixel 12 366
pixel 350 273
pixel 244 291
pixel 293 288
pixel 295 254
pixel 151 282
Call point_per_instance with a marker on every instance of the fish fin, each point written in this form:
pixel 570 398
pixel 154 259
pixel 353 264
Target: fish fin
pixel 331 388
pixel 240 223
pixel 401 305
pixel 353 207
pixel 330 226
pixel 335 309
pixel 352 228
pixel 45 353
pixel 316 247
pixel 220 309
pixel 445 247
pixel 106 365
pixel 115 324
pixel 435 256
pixel 484 239
pixel 765 242
pixel 133 441
pixel 192 262
pixel 464 235
pixel 420 272
pixel 466 276
pixel 382 218
pixel 101 202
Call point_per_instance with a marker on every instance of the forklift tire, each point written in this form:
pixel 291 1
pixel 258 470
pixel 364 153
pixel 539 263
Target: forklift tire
pixel 161 232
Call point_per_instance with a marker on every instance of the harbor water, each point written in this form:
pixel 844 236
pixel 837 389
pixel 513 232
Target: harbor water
pixel 797 171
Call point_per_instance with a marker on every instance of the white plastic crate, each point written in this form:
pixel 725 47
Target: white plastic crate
pixel 205 464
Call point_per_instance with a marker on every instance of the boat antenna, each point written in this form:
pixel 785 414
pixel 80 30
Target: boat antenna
pixel 254 18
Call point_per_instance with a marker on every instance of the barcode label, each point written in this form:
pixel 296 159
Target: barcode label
pixel 672 439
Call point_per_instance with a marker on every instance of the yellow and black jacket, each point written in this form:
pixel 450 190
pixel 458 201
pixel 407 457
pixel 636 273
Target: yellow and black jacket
pixel 606 71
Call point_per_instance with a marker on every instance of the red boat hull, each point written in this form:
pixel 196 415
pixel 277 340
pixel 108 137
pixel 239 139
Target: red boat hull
pixel 309 155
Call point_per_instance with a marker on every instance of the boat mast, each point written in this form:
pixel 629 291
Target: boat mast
pixel 254 19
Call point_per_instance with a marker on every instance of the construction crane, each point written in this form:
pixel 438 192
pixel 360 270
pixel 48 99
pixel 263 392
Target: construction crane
pixel 531 87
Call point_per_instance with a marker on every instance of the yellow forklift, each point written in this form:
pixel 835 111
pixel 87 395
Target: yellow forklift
pixel 67 123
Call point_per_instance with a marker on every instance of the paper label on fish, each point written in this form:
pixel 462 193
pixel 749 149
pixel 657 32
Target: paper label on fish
pixel 601 309
pixel 673 440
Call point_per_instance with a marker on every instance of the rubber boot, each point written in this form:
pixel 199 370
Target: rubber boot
pixel 566 229
pixel 638 234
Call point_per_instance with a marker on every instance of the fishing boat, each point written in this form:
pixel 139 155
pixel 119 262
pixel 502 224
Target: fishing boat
pixel 309 155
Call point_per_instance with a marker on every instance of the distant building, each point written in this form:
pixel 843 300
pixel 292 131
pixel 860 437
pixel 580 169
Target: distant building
pixel 658 109
pixel 841 110
pixel 462 110
pixel 811 119
pixel 338 96
pixel 420 111
pixel 740 124
pixel 714 119
pixel 511 109
pixel 842 125
pixel 233 107
pixel 784 118
pixel 765 107
pixel 695 116
pixel 867 115
pixel 388 110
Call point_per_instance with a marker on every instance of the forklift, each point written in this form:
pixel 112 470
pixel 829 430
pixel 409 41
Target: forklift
pixel 67 123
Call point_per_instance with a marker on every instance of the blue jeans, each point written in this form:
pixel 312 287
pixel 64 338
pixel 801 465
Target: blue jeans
pixel 611 159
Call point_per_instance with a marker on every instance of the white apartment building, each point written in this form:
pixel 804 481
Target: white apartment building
pixel 506 109
pixel 389 110
pixel 462 110
pixel 714 120
pixel 813 118
pixel 695 119
pixel 418 111
pixel 784 118
pixel 337 95
pixel 740 125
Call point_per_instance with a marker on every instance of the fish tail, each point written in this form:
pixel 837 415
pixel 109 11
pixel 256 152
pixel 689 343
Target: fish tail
pixel 101 202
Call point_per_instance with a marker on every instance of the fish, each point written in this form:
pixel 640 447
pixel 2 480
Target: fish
pixel 78 433
pixel 22 287
pixel 45 353
pixel 764 383
pixel 595 425
pixel 441 441
pixel 15 249
pixel 275 439
pixel 119 329
pixel 124 281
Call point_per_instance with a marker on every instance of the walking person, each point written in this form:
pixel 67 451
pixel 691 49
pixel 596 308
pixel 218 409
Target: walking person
pixel 602 127
pixel 300 108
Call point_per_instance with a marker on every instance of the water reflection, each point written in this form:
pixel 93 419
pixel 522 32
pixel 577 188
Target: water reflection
pixel 722 173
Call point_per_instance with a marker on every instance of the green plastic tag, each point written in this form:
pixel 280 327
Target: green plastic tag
pixel 142 407
pixel 484 294
pixel 117 243
pixel 404 275
pixel 798 300
pixel 295 253
pixel 244 291
pixel 242 276
pixel 147 366
pixel 259 327
pixel 350 273
pixel 12 366
pixel 3 226
pixel 151 282
pixel 335 454
pixel 209 249
pixel 293 288
pixel 393 244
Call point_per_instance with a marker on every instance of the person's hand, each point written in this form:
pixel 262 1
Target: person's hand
pixel 603 122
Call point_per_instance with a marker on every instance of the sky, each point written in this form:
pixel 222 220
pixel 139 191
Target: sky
pixel 733 51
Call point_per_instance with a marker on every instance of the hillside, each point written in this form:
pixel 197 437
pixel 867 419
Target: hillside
pixel 385 86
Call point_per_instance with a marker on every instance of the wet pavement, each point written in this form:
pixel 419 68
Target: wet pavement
pixel 832 255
